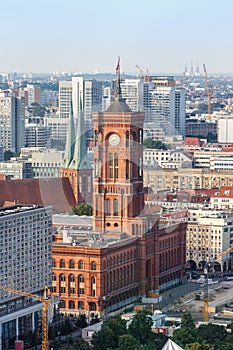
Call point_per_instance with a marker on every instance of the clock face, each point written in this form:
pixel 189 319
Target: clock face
pixel 114 139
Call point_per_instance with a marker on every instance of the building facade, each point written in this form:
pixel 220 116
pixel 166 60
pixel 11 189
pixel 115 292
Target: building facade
pixel 12 123
pixel 129 255
pixel 26 239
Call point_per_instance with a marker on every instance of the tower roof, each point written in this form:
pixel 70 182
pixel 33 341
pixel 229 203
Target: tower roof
pixel 118 106
pixel 70 140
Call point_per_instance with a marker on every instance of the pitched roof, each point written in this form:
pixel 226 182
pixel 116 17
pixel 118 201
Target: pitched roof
pixel 192 141
pixel 56 192
pixel 224 191
pixel 118 107
pixel 171 345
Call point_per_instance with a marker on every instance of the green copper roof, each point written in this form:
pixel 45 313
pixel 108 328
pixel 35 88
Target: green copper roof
pixel 80 160
pixel 70 140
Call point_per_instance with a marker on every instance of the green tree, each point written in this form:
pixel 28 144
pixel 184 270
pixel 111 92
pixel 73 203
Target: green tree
pixel 81 321
pixel 187 333
pixel 82 209
pixel 211 333
pixel 9 154
pixel 104 339
pixel 113 328
pixel 127 342
pixel 37 110
pixel 156 144
pixel 140 327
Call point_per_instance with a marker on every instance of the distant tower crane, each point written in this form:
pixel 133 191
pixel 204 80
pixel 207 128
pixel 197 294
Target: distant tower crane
pixel 207 90
pixel 46 301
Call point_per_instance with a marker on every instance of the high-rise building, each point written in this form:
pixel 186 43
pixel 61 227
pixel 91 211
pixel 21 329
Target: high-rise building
pixel 26 238
pixel 133 93
pixel 12 121
pixel 164 105
pixel 37 136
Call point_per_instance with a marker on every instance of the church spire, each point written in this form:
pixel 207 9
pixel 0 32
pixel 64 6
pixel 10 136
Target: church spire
pixel 80 160
pixel 70 140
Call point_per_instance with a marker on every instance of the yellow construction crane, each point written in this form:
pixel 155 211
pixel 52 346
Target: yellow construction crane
pixel 207 90
pixel 206 292
pixel 45 306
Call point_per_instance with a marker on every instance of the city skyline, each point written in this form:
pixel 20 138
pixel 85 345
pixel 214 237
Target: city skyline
pixel 77 36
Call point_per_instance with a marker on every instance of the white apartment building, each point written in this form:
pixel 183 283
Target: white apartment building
pixel 133 92
pixel 209 234
pixel 26 260
pixel 213 159
pixel 225 129
pixel 46 164
pixel 222 199
pixel 16 169
pixel 12 123
pixel 166 159
pixel 65 95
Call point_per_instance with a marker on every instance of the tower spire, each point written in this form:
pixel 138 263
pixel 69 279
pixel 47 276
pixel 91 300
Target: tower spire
pixel 118 81
pixel 80 160
pixel 70 140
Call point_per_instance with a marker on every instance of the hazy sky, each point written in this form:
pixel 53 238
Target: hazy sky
pixel 89 35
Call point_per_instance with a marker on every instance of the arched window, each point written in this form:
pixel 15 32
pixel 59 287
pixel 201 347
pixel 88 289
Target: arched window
pixel 93 286
pixel 71 284
pixel 110 166
pixel 62 263
pixel 81 305
pixel 80 284
pixel 92 306
pixel 127 169
pixel 116 166
pixel 108 207
pixel 62 304
pixel 53 263
pixel 54 278
pixel 62 283
pixel 93 265
pixel 54 283
pixel 115 207
pixel 127 139
pixel 71 304
pixel 81 264
pixel 71 264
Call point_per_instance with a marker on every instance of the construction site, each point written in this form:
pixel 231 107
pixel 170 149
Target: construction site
pixel 219 305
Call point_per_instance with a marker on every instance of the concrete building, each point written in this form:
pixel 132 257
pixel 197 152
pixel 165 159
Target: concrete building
pixel 201 128
pixel 37 136
pixel 133 93
pixel 165 105
pixel 166 159
pixel 16 169
pixel 26 239
pixel 58 127
pixel 12 123
pixel 225 127
pixel 167 179
pixel 209 234
pixel 46 164
pixel 222 199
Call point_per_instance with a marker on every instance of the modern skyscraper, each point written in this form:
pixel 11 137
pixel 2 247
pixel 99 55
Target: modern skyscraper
pixel 133 93
pixel 12 121
pixel 165 105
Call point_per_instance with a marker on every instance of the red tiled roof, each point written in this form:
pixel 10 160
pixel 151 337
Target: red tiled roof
pixel 224 191
pixel 192 141
pixel 56 192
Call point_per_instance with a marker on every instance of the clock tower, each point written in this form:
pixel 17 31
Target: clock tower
pixel 118 173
